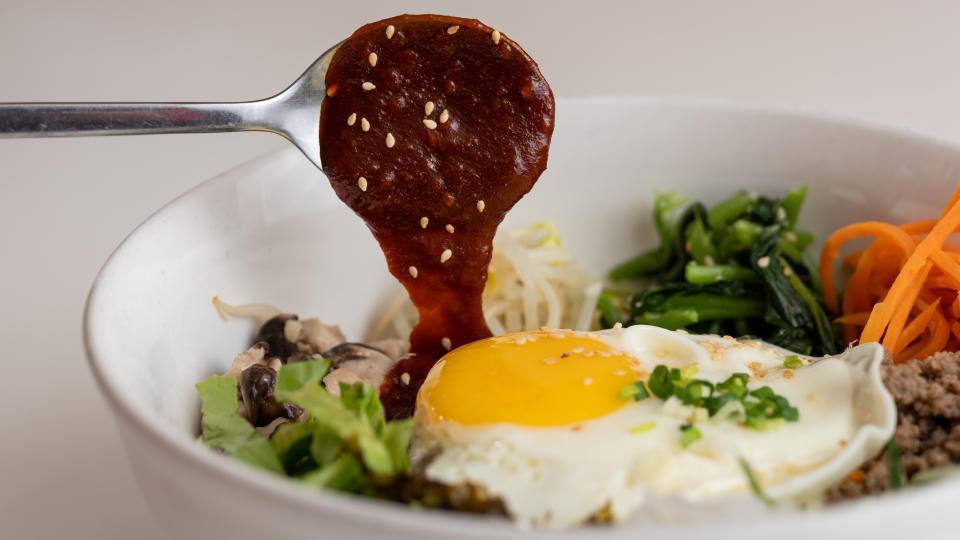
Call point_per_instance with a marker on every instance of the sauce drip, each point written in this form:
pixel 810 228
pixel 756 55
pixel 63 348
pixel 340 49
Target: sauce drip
pixel 435 124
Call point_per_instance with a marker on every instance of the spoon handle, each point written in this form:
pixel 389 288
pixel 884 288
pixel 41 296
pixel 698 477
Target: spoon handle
pixel 18 120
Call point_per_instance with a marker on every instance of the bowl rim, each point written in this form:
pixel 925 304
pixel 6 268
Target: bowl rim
pixel 462 524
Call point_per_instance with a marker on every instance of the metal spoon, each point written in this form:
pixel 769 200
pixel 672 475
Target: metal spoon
pixel 293 113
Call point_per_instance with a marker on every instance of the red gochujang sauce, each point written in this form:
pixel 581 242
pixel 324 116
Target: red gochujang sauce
pixel 433 128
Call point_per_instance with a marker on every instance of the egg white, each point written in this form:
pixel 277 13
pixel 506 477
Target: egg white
pixel 560 476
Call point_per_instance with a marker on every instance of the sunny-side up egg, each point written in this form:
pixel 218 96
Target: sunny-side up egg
pixel 535 420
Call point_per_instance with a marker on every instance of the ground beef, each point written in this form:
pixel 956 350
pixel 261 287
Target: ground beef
pixel 927 395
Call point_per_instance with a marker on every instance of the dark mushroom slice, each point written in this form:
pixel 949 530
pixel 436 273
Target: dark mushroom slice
pixel 273 333
pixel 257 384
pixel 356 362
pixel 350 351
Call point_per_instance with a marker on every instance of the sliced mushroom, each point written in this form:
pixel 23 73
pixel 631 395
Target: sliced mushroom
pixel 316 337
pixel 274 333
pixel 256 389
pixel 255 355
pixel 356 362
pixel 394 348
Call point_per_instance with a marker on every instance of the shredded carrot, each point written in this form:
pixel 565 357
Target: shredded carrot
pixel 854 318
pixel 903 308
pixel 915 328
pixel 831 250
pixel 856 476
pixel 904 291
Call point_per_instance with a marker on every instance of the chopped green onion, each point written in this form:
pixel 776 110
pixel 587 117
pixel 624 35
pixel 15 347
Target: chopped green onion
pixel 934 474
pixel 687 372
pixel 637 391
pixel 643 428
pixel 689 435
pixel 792 362
pixel 755 486
pixel 736 384
pixel 696 392
pixel 765 424
pixel 660 383
pixel 763 392
pixel 894 469
pixel 700 414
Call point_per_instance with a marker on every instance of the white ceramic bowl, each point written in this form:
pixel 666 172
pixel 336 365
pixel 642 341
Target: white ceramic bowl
pixel 273 231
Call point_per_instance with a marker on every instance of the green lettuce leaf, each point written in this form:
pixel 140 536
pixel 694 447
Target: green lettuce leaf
pixel 343 474
pixel 226 430
pixel 356 430
pixel 364 400
pixel 292 444
pixel 396 437
pixel 296 376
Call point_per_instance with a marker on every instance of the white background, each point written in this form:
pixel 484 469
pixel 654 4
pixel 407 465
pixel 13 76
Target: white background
pixel 65 204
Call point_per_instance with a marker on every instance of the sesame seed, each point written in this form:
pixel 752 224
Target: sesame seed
pixel 390 31
pixel 424 221
pixel 589 353
pixel 578 350
pixel 588 381
pixel 390 141
pixel 362 182
pixel 428 108
pixel 368 86
pixel 413 271
pixel 496 37
pixel 763 262
pixel 373 59
pixel 791 237
pixel 619 372
pixel 480 206
pixel 449 228
pixel 405 378
pixel 364 124
pixel 429 123
pixel 446 343
pixel 787 271
pixel 445 256
pixel 550 361
pixel 444 116
pixel 605 354
pixel 452 30
pixel 352 119
pixel 708 260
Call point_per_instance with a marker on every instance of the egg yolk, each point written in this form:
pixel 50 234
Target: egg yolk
pixel 532 378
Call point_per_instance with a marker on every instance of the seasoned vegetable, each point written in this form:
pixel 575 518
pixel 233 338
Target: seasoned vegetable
pixel 737 268
pixel 346 444
pixel 903 291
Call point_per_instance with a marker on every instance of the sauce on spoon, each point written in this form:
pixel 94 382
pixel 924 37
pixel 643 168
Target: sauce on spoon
pixel 434 127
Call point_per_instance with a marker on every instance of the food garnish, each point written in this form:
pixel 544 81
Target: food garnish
pixel 738 268
pixel 761 409
pixel 904 288
pixel 346 444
